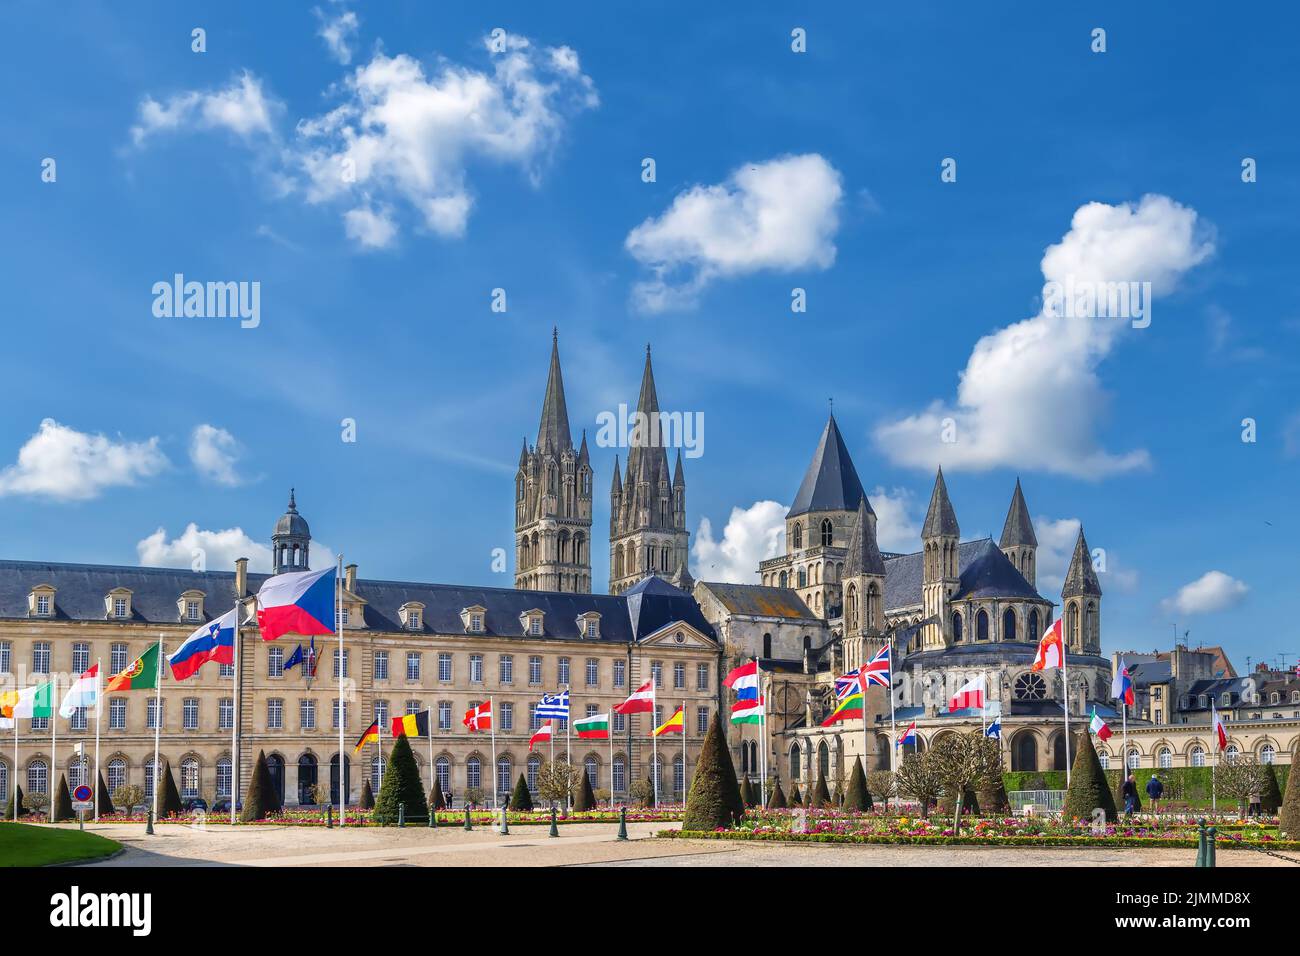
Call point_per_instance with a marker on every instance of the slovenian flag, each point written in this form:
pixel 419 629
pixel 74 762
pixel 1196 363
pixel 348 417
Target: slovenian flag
pixel 299 602
pixel 1121 687
pixel 214 641
pixel 909 736
pixel 744 681
pixel 1098 726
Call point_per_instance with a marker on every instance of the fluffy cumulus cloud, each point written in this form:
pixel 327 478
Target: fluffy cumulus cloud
pixel 781 215
pixel 1212 591
pixel 898 522
pixel 241 107
pixel 63 464
pixel 401 137
pixel 200 549
pixel 1030 395
pixel 1056 539
pixel 215 453
pixel 751 535
pixel 338 28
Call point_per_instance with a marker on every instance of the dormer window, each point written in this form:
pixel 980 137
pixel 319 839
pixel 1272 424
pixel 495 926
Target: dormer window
pixel 589 626
pixel 190 605
pixel 117 604
pixel 411 614
pixel 473 619
pixel 40 602
pixel 532 622
pixel 1227 699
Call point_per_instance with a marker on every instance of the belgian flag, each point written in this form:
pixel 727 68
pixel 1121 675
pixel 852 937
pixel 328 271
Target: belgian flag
pixel 412 725
pixel 371 733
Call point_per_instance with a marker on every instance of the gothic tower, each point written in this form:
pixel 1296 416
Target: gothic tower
pixel 553 499
pixel 940 538
pixel 1018 542
pixel 291 541
pixel 1081 600
pixel 863 588
pixel 647 504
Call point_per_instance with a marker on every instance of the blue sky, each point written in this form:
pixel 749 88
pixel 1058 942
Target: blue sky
pixel 520 168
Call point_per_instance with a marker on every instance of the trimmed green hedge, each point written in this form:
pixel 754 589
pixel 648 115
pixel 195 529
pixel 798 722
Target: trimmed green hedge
pixel 1025 841
pixel 1187 785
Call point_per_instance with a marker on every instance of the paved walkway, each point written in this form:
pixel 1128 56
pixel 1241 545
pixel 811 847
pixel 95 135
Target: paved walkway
pixel 588 844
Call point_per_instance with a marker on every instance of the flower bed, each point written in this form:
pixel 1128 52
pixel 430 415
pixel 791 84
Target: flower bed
pixel 446 818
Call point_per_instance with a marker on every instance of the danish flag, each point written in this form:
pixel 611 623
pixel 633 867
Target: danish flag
pixel 480 717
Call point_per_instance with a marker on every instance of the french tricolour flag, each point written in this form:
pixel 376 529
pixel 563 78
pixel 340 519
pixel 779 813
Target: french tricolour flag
pixel 212 642
pixel 299 602
pixel 744 681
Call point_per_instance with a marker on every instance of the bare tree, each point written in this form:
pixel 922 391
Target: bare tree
pixel 966 762
pixel 882 785
pixel 1243 778
pixel 917 776
pixel 556 781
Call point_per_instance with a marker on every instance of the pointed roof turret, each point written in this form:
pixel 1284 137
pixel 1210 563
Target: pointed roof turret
pixel 1018 529
pixel 523 454
pixel 831 482
pixel 940 519
pixel 679 480
pixel 583 457
pixel 616 486
pixel 553 431
pixel 864 553
pixel 1081 579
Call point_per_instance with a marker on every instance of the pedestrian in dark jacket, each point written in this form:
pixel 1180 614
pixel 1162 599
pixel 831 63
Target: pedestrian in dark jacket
pixel 1129 793
pixel 1155 790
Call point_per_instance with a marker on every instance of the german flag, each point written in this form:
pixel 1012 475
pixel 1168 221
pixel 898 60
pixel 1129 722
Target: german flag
pixel 412 725
pixel 371 733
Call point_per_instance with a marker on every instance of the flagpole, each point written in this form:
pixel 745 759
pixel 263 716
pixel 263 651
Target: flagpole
pixel 568 744
pixel 762 737
pixel 54 740
pixel 893 726
pixel 380 739
pixel 99 715
pixel 433 777
pixel 1065 683
pixel 157 725
pixel 654 739
pixel 492 724
pixel 609 735
pixel 15 796
pixel 338 626
pixel 683 753
pixel 234 729
pixel 1214 770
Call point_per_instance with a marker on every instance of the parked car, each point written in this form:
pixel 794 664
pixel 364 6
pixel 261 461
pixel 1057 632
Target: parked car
pixel 223 806
pixel 195 803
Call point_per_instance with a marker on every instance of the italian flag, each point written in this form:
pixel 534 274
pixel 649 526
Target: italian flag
pixel 747 711
pixel 595 727
pixel 1098 726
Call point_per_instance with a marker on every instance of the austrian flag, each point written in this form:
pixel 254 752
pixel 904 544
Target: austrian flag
pixel 479 717
pixel 642 700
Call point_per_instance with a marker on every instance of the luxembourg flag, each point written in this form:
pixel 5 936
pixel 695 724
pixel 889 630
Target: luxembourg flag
pixel 84 692
pixel 744 681
pixel 299 602
pixel 1051 649
pixel 214 641
pixel 1121 686
pixel 1098 726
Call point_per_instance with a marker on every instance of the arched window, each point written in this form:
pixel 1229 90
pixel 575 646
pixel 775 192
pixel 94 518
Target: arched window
pixel 1134 759
pixel 442 767
pixel 189 778
pixel 1198 756
pixel 828 533
pixel 794 762
pixel 504 772
pixel 334 777
pixel 1231 754
pixel 783 580
pixel 982 625
pixel 851 605
pixel 116 775
pixel 38 777
pixel 679 777
pixel 620 774
pixel 1024 751
pixel 150 778
pixel 1008 625
pixel 1165 758
pixel 1090 625
pixel 956 626
pixel 767 645
pixel 592 767
pixel 1267 753
pixel 807 642
pixel 533 766
pixel 803 577
pixel 1104 759
pixel 376 773
pixel 618 561
pixel 1072 625
pixel 307 776
pixel 4 778
pixel 873 605
pixel 1034 632
pixel 824 759
pixel 797 535
pixel 473 772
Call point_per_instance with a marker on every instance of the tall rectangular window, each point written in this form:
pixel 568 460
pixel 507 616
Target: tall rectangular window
pixel 413 665
pixel 80 657
pixel 43 605
pixel 117 658
pixel 507 669
pixel 119 607
pixel 701 676
pixel 507 717
pixel 381 665
pixel 620 775
pixel 192 611
pixel 563 672
pixel 657 672
pixel 190 713
pixel 444 668
pixel 336 720
pixel 593 672
pixel 153 717
pixel 275 662
pixel 444 715
pixel 344 661
pixel 620 673
pixel 381 713
pixel 476 668
pixel 223 670
pixel 275 714
pixel 679 676
pixel 534 671
pixel 40 658
pixel 6 658
pixel 702 720
pixel 620 722
pixel 534 722
pixel 414 707
pixel 78 719
pixel 307 713
pixel 226 713
pixel 117 713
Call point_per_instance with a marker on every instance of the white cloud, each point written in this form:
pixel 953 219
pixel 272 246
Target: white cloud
pixel 1212 591
pixel 779 215
pixel 898 526
pixel 1030 396
pixel 338 31
pixel 370 228
pixel 214 452
pixel 67 465
pixel 1056 539
pixel 241 107
pixel 752 534
pixel 216 550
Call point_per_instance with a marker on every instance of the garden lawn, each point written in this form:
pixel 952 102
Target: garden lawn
pixel 23 845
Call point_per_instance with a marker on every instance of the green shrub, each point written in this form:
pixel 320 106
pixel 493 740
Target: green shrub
pixel 586 799
pixel 1088 786
pixel 776 799
pixel 858 796
pixel 521 799
pixel 1289 815
pixel 401 786
pixel 62 808
pixel 714 800
pixel 258 800
pixel 169 801
pixel 367 799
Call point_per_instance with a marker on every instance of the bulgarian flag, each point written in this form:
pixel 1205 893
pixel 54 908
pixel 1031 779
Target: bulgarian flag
pixel 848 707
pixel 595 727
pixel 1051 649
pixel 748 711
pixel 140 674
pixel 1098 726
pixel 676 724
pixel 543 734
pixel 642 700
pixel 35 701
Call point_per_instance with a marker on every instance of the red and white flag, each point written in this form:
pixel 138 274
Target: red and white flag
pixel 1051 649
pixel 642 700
pixel 969 695
pixel 1220 734
pixel 480 717
pixel 542 736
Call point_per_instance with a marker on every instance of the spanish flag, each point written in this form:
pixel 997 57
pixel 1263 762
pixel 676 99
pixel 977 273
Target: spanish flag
pixel 412 725
pixel 675 724
pixel 371 733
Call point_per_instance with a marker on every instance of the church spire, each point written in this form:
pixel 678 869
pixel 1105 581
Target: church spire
pixel 1081 578
pixel 553 431
pixel 940 519
pixel 1018 530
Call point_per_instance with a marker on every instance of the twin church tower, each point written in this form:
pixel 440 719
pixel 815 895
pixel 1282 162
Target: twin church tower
pixel 647 505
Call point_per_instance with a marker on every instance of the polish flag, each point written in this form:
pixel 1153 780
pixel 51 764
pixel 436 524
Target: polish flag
pixel 542 736
pixel 969 695
pixel 642 700
pixel 1051 649
pixel 1220 733
pixel 480 717
pixel 1098 726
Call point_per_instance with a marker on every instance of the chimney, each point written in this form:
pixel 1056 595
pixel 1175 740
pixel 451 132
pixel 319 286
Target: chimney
pixel 350 577
pixel 241 578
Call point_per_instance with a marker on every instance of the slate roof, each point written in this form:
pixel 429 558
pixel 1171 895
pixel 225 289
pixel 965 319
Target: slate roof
pixel 1150 672
pixel 1018 528
pixel 904 574
pixel 831 482
pixel 940 519
pixel 81 588
pixel 759 601
pixel 553 429
pixel 990 574
pixel 864 554
pixel 1081 578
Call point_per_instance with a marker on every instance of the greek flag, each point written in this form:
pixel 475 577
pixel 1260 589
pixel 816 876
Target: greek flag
pixel 554 705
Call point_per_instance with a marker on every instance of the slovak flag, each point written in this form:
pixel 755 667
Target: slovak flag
pixel 909 736
pixel 1051 649
pixel 297 602
pixel 969 695
pixel 1220 734
pixel 744 681
pixel 1121 686
pixel 1098 726
pixel 480 717
pixel 214 641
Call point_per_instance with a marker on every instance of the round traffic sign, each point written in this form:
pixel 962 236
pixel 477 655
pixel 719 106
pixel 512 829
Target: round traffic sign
pixel 82 794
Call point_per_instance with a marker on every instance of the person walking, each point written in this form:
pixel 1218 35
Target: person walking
pixel 1129 793
pixel 1155 790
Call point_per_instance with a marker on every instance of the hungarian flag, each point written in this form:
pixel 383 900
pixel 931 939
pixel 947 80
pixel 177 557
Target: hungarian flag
pixel 35 701
pixel 595 727
pixel 748 711
pixel 371 733
pixel 1220 733
pixel 969 696
pixel 84 692
pixel 642 700
pixel 744 681
pixel 300 602
pixel 411 725
pixel 676 724
pixel 543 734
pixel 1121 687
pixel 480 717
pixel 1051 649
pixel 848 707
pixel 140 674
pixel 1098 726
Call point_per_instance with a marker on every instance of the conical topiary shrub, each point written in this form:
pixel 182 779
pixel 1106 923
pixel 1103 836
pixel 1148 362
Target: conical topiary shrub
pixel 61 805
pixel 746 793
pixel 994 799
pixel 14 798
pixel 714 800
pixel 820 797
pixel 1289 815
pixel 169 802
pixel 436 799
pixel 401 786
pixel 858 797
pixel 648 800
pixel 367 799
pixel 776 799
pixel 105 799
pixel 257 801
pixel 1088 789
pixel 795 799
pixel 521 799
pixel 1270 798
pixel 586 799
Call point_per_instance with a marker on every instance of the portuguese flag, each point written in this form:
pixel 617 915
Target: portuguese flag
pixel 140 674
pixel 850 706
pixel 595 727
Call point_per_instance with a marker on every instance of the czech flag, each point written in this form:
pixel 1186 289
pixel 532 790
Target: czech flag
pixel 1098 726
pixel 1121 687
pixel 909 736
pixel 214 641
pixel 1051 649
pixel 744 681
pixel 299 602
